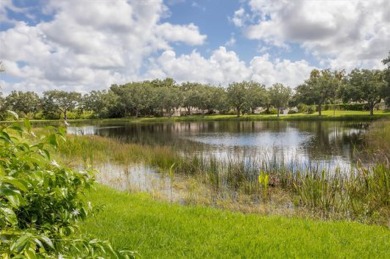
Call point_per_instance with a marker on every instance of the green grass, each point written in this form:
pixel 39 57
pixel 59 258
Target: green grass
pixel 326 115
pixel 163 230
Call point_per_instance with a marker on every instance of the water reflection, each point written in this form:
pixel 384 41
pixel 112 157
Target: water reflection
pixel 321 144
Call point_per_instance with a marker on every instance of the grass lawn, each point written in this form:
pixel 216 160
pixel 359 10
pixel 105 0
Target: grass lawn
pixel 326 115
pixel 162 230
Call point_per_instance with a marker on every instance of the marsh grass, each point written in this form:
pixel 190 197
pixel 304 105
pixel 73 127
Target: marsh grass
pixel 378 142
pixel 361 195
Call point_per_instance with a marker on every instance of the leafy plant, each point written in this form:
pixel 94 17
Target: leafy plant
pixel 40 200
pixel 264 181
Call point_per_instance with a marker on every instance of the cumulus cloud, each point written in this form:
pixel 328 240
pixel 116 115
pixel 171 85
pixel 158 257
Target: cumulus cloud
pixel 224 67
pixel 342 34
pixel 94 44
pixel 240 17
pixel 187 34
pixel 86 46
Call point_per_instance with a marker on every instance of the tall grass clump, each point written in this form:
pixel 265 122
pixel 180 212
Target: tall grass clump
pixel 377 141
pixel 363 195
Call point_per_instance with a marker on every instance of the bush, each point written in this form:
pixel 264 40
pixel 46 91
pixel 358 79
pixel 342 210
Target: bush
pixel 292 111
pixel 40 200
pixel 311 109
pixel 353 106
pixel 270 111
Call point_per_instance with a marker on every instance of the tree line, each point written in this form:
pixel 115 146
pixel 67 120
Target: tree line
pixel 361 89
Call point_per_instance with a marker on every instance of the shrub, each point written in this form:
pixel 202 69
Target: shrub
pixel 311 109
pixel 292 111
pixel 40 200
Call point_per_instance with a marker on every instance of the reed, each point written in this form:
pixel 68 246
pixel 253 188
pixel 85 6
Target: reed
pixel 378 141
pixel 363 195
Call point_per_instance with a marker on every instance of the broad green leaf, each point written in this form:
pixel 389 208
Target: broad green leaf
pixel 30 253
pixel 13 196
pixel 21 243
pixel 4 135
pixel 47 241
pixel 18 183
pixel 9 216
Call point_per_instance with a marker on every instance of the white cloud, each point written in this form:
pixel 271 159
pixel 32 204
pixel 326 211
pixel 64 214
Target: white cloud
pixel 224 67
pixel 342 34
pixel 90 45
pixel 231 42
pixel 3 12
pixel 187 34
pixel 239 18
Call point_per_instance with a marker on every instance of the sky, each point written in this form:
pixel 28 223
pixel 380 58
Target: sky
pixel 85 45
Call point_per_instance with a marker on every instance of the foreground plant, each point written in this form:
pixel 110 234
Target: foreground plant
pixel 41 201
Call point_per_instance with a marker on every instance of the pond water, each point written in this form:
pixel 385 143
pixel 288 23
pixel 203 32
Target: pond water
pixel 296 145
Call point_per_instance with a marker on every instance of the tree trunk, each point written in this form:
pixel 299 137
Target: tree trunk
pixel 320 109
pixel 278 112
pixel 65 115
pixel 372 105
pixel 238 112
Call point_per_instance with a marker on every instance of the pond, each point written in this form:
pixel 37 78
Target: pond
pixel 325 145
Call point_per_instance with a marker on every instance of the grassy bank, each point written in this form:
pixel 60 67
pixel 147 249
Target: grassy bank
pixel 326 115
pixel 162 230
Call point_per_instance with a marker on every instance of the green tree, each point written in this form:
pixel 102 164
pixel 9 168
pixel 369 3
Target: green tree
pixel 167 99
pixel 56 102
pixel 238 96
pixel 141 96
pixel 367 86
pixel 101 103
pixel 216 99
pixel 257 95
pixel 279 96
pixel 136 96
pixel 166 96
pixel 322 86
pixel 194 95
pixel 124 99
pixel 23 103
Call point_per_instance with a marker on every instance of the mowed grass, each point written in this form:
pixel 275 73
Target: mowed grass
pixel 158 229
pixel 326 115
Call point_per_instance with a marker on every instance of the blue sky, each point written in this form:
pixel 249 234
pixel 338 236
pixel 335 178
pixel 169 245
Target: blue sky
pixel 84 45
